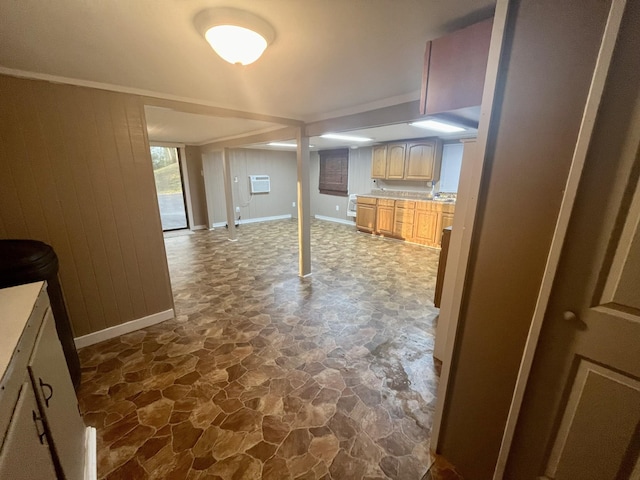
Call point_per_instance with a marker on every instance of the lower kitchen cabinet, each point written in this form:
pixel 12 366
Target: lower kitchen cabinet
pixel 404 215
pixel 26 435
pixel 384 217
pixel 426 227
pixel 44 436
pixel 366 214
pixel 417 221
pixel 447 220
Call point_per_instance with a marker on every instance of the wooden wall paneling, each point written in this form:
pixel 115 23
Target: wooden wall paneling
pixel 109 266
pixel 132 204
pixel 3 230
pixel 27 191
pixel 76 173
pixel 122 258
pixel 74 135
pixel 65 221
pixel 10 209
pixel 39 153
pixel 155 267
pixel 134 195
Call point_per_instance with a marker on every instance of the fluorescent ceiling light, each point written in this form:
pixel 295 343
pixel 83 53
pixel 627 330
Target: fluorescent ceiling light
pixel 281 144
pixel 349 138
pixel 437 126
pixel 239 37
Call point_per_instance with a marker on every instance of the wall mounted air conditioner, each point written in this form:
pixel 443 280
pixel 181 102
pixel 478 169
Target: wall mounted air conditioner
pixel 260 183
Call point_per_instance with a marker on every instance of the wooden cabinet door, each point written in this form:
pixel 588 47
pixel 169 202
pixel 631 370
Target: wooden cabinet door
pixel 403 230
pixel 395 160
pixel 384 220
pixel 403 219
pixel 447 221
pixel 421 160
pixel 57 400
pixel 25 451
pixel 454 70
pixel 426 223
pixel 365 217
pixel 379 162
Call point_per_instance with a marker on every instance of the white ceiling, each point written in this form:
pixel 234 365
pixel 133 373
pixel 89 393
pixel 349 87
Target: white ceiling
pixel 330 57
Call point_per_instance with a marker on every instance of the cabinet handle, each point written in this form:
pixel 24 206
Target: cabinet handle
pixel 37 419
pixel 46 397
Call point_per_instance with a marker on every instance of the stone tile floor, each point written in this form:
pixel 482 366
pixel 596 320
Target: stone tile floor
pixel 266 375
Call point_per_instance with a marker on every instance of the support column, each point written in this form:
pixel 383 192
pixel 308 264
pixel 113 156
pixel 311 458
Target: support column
pixel 304 204
pixel 228 194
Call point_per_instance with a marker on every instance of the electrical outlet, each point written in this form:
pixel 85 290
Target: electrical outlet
pixel 235 179
pixel 337 208
pixel 237 209
pixel 293 204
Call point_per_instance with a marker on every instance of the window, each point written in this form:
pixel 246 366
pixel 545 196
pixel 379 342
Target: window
pixel 169 186
pixel 334 172
pixel 451 165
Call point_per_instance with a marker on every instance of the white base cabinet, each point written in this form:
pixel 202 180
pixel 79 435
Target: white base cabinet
pixel 43 437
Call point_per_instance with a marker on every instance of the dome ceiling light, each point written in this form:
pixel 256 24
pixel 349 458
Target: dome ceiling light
pixel 239 37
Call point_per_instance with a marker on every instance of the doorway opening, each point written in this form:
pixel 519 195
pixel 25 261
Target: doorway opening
pixel 168 175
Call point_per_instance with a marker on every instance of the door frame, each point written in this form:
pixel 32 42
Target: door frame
pixel 462 232
pixel 589 117
pixel 184 173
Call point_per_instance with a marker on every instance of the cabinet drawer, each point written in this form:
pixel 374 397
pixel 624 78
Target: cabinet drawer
pixel 405 204
pixel 448 208
pixel 425 206
pixel 404 215
pixel 366 200
pixel 385 202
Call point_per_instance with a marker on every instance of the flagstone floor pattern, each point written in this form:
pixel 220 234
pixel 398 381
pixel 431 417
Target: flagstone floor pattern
pixel 266 375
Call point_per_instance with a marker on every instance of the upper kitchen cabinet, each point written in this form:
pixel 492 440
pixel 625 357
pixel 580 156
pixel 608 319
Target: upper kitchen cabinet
pixel 421 159
pixel 411 160
pixel 395 160
pixel 379 162
pixel 454 69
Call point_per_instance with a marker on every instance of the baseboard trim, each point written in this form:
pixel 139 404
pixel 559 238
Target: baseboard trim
pixel 335 220
pixel 253 220
pixel 199 227
pixel 127 327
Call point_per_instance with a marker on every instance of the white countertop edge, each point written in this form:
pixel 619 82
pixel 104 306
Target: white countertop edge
pixel 16 305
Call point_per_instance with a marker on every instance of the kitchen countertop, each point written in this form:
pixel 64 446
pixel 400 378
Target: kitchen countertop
pixel 16 305
pixel 412 196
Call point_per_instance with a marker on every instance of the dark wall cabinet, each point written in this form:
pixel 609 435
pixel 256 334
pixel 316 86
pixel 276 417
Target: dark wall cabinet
pixel 454 69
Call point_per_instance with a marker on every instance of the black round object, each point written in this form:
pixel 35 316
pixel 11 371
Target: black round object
pixel 28 261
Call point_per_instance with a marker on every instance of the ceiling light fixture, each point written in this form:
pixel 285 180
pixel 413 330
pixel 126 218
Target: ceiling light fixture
pixel 239 37
pixel 282 144
pixel 437 126
pixel 348 138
